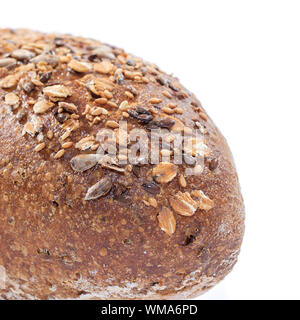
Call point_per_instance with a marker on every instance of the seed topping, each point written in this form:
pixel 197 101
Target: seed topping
pixel 167 221
pixel 100 189
pixel 183 204
pixel 42 106
pixel 164 172
pixel 57 91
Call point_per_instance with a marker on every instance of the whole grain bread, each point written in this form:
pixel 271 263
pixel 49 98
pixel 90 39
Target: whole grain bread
pixel 73 226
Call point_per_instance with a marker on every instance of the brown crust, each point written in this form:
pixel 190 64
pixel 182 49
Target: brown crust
pixel 56 245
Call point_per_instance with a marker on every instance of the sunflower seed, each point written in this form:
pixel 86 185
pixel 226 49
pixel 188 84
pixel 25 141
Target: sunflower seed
pixel 141 114
pixel 45 77
pixel 119 76
pixel 48 58
pixel 165 123
pixel 26 85
pixel 112 167
pixel 84 162
pixel 7 62
pixel 213 164
pixel 162 81
pixel 59 42
pixel 100 189
pixel 104 52
pixel 22 54
pixel 151 187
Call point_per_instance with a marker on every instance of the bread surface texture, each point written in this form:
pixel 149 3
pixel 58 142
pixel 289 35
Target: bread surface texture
pixel 76 226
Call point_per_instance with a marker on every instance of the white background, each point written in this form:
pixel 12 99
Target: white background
pixel 242 60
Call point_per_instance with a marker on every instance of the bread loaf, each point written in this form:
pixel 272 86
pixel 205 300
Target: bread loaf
pixel 76 223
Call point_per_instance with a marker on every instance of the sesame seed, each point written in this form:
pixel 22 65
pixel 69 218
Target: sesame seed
pixel 112 124
pixel 155 101
pixel 101 100
pixel 129 94
pixel 112 104
pixel 179 110
pixel 167 94
pixel 67 145
pixel 98 111
pixel 203 116
pixel 171 105
pixel 145 80
pixel 59 154
pixel 124 105
pixel 167 110
pixel 40 147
